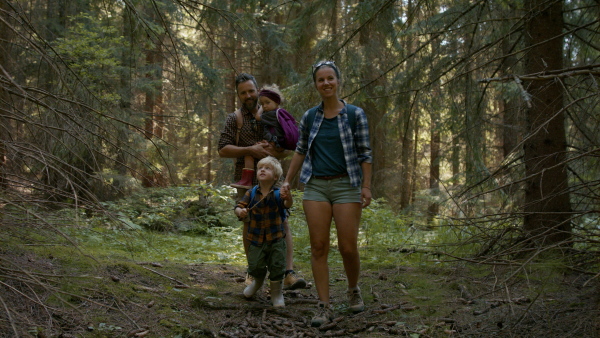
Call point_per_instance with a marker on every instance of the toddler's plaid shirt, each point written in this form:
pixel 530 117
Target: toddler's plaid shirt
pixel 265 225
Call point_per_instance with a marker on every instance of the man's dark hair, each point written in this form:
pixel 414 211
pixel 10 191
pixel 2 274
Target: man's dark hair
pixel 243 77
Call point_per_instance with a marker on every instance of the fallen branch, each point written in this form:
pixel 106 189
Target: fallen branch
pixel 145 288
pixel 464 292
pixel 339 333
pixel 302 301
pixel 526 310
pixel 180 284
pixel 589 280
pixel 411 250
pixel 385 308
pixel 158 265
pixel 10 319
pixel 331 324
pixel 480 312
pixel 518 301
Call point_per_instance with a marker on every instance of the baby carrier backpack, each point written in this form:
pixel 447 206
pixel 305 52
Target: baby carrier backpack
pixel 290 129
pixel 288 125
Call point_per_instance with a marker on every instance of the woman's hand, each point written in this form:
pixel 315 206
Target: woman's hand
pixel 365 194
pixel 285 189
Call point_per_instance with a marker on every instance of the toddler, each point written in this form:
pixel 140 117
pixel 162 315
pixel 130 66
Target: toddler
pixel 265 206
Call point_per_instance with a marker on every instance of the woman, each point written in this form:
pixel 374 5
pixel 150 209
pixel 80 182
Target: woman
pixel 334 156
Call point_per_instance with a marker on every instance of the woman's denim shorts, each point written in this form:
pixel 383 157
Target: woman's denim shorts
pixel 335 191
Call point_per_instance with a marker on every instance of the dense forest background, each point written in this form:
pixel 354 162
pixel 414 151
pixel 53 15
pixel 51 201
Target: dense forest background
pixel 484 115
pixel 483 111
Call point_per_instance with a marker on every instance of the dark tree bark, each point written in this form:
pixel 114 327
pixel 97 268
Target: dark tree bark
pixel 435 133
pixel 407 150
pixel 547 205
pixel 371 38
pixel 5 43
pixel 434 159
pixel 408 124
pixel 153 102
pixel 509 107
pixel 125 90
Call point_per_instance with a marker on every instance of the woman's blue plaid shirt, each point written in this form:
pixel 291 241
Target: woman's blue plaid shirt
pixel 357 147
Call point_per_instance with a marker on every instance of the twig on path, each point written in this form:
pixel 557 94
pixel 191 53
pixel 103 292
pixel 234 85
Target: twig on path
pixel 180 284
pixel 339 333
pixel 526 310
pixel 302 301
pixel 386 309
pixel 464 292
pixel 589 280
pixel 10 319
pixel 382 311
pixel 331 324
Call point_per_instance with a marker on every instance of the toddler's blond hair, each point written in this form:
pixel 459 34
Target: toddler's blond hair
pixel 278 171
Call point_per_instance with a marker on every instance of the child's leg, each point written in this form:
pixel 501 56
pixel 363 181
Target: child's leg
pixel 249 162
pixel 247 174
pixel 256 268
pixel 276 261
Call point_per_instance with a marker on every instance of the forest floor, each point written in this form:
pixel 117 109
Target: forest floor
pixel 126 298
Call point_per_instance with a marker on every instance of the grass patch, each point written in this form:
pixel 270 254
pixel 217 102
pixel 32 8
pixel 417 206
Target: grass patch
pixel 183 283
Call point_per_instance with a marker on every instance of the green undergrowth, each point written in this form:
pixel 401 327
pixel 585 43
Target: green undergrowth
pixel 118 270
pixel 196 224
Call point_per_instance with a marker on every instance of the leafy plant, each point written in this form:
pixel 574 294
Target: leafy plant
pixel 187 209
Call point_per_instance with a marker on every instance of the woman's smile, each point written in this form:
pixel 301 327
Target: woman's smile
pixel 326 81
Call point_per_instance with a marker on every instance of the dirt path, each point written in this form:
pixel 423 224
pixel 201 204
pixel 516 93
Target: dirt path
pixel 143 299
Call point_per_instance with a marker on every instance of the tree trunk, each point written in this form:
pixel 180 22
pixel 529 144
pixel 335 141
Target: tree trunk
pixel 370 38
pixel 230 89
pixel 5 44
pixel 209 146
pixel 435 134
pixel 547 205
pixel 125 92
pixel 456 148
pixel 405 175
pixel 434 159
pixel 509 107
pixel 415 157
pixel 408 123
pixel 150 99
pixel 153 105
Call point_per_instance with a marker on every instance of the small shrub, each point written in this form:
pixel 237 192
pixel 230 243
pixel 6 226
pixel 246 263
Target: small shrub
pixel 188 209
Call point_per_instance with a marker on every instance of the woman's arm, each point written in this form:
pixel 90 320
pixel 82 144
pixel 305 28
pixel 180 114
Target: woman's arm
pixel 365 190
pixel 362 139
pixel 295 166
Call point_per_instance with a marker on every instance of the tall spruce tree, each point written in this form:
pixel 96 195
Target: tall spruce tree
pixel 547 203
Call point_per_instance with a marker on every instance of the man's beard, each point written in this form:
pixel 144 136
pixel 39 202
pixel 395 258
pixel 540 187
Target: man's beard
pixel 250 104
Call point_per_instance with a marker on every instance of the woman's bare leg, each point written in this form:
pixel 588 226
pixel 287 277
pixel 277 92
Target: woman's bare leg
pixel 318 218
pixel 347 220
